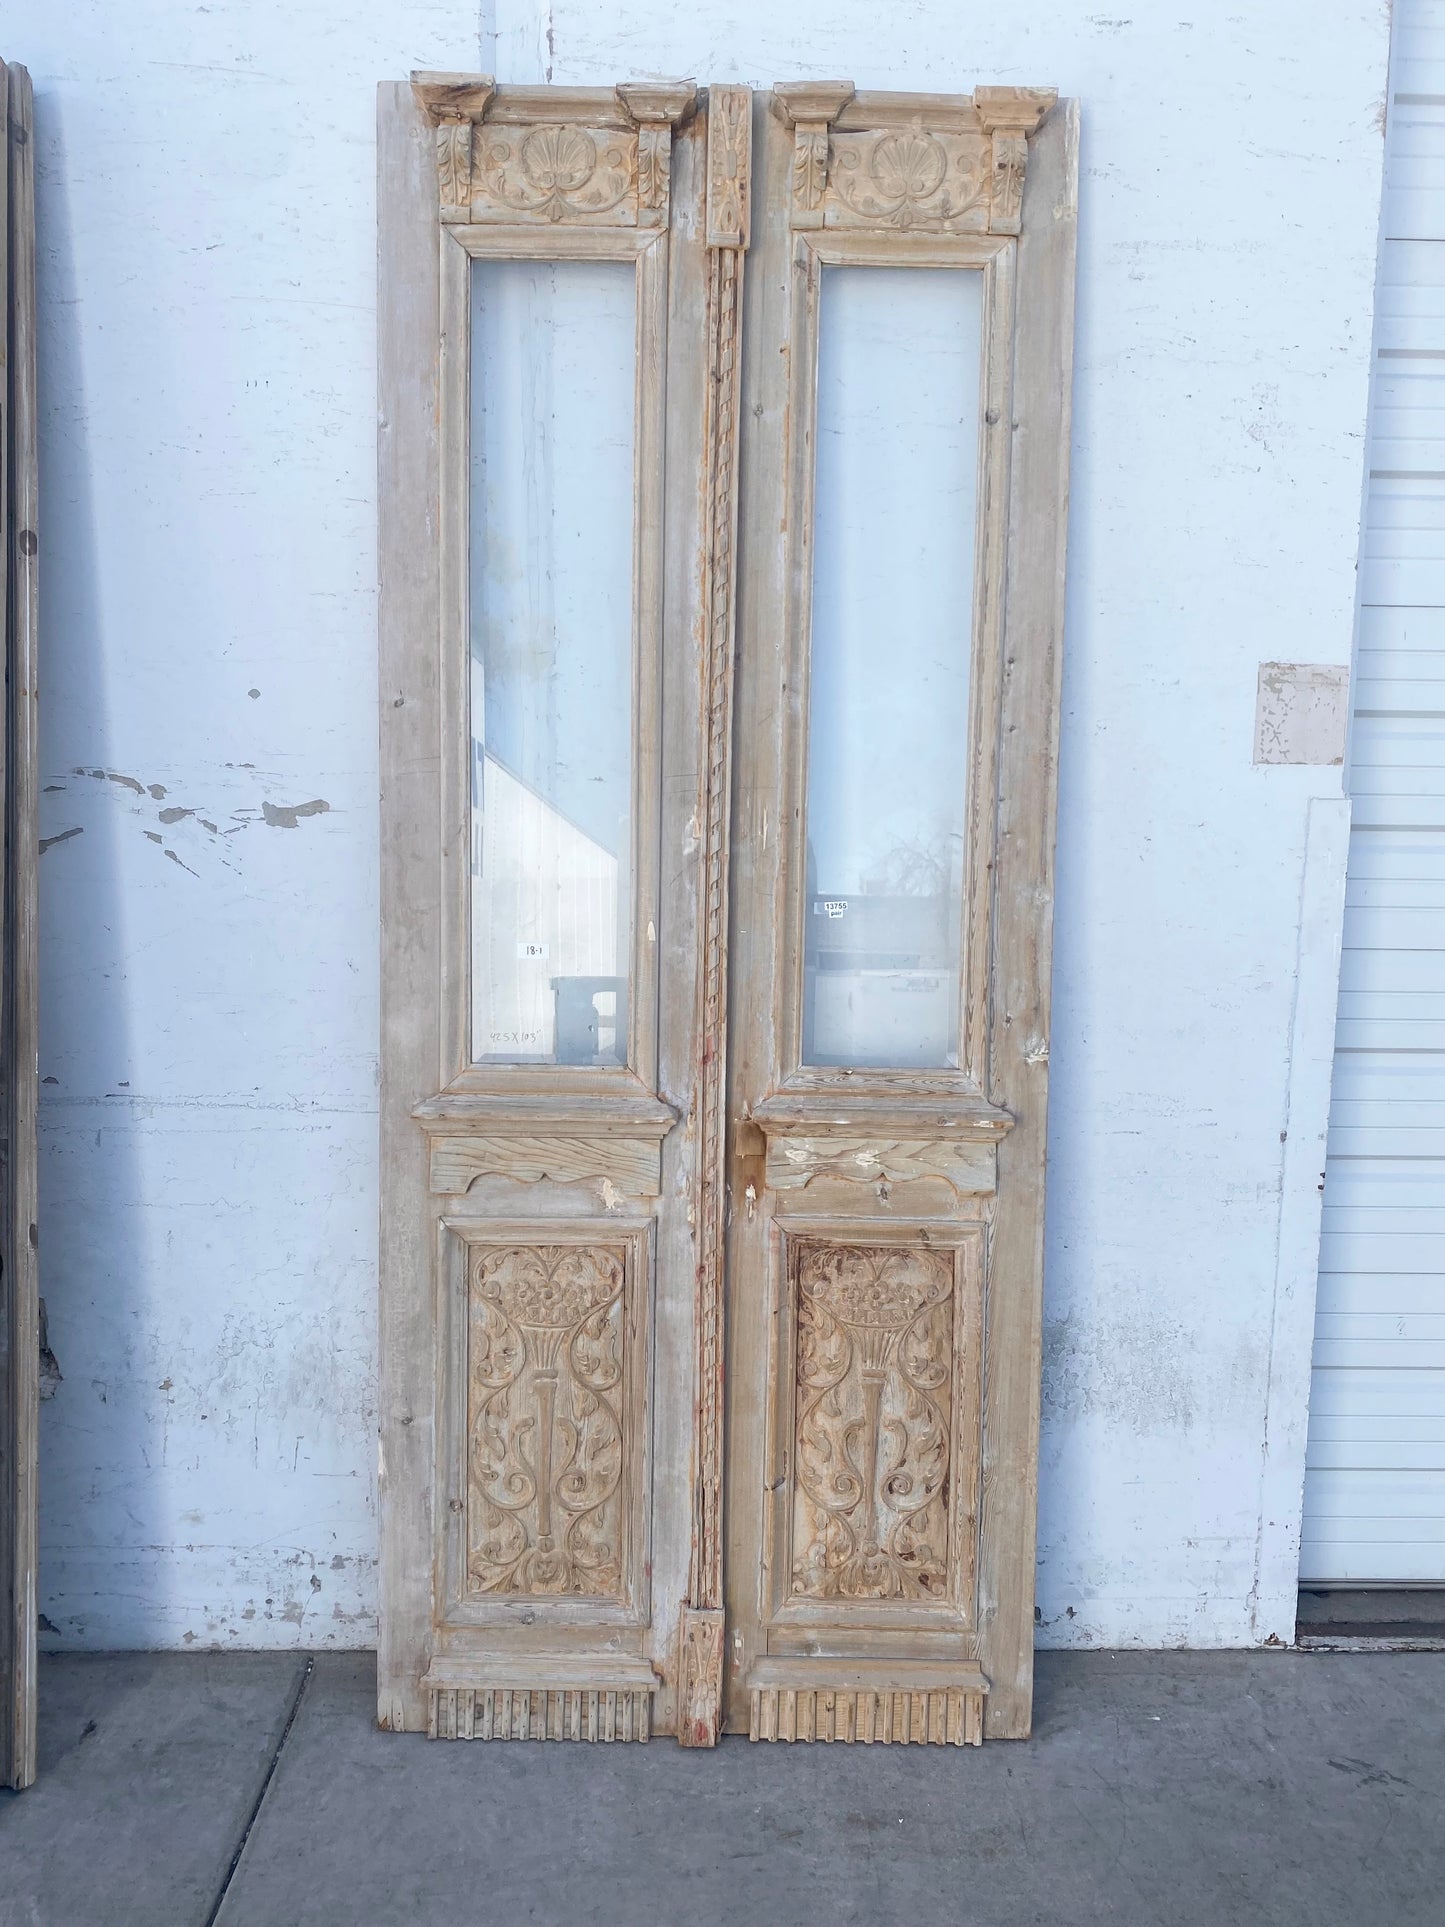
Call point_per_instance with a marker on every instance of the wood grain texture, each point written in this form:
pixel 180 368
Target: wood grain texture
pixel 793 1162
pixel 632 1166
pixel 408 322
pixel 1027 808
pixel 19 598
pixel 729 171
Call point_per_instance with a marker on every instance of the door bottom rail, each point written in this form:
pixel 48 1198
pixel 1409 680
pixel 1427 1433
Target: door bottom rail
pixel 897 1705
pixel 541 1700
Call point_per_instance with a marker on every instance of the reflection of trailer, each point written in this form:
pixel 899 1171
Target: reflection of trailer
pixel 546 985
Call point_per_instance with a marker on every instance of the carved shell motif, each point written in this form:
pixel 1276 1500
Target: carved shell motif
pixel 910 179
pixel 561 173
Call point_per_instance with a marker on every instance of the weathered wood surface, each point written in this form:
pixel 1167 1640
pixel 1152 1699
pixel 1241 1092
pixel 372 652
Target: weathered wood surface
pixel 19 600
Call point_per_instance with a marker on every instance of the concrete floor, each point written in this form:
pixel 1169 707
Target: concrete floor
pixel 1160 1788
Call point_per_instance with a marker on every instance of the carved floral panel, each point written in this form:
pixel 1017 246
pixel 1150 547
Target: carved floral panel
pixel 547 1421
pixel 559 172
pixel 908 179
pixel 873 1423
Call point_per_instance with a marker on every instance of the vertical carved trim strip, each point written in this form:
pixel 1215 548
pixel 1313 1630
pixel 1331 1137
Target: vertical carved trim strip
pixel 728 173
pixel 654 166
pixel 729 150
pixel 454 168
pixel 1010 156
pixel 810 173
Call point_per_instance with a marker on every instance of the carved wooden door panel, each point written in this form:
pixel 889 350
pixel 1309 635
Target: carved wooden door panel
pixel 559 347
pixel 901 608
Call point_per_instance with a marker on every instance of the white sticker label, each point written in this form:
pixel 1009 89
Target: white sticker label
pixel 536 950
pixel 833 908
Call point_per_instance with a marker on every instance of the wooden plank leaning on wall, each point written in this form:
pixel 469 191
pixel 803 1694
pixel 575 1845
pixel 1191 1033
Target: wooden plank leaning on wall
pixel 19 573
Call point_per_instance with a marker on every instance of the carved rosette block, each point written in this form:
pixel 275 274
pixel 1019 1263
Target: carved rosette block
pixel 548 1422
pixel 808 107
pixel 873 1426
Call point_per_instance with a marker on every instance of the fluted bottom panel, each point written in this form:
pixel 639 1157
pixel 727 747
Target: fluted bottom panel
pixel 517 1713
pixel 950 1717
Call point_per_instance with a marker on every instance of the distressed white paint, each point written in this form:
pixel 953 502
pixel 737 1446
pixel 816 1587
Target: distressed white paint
pixel 210 1187
pixel 209 1020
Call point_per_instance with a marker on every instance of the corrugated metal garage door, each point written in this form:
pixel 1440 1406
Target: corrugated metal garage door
pixel 1375 1484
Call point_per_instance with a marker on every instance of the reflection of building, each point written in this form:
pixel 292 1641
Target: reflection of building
pixel 544 915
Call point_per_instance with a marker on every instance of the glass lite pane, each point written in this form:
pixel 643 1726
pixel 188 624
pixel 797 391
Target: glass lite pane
pixel 551 659
pixel 895 502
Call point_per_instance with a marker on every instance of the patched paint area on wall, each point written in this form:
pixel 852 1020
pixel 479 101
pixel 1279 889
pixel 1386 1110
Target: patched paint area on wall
pixel 1301 712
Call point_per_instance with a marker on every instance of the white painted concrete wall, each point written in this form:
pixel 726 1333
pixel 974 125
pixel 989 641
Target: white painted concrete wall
pixel 207 214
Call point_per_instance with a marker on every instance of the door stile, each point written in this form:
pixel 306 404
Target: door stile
pixel 729 186
pixel 1022 964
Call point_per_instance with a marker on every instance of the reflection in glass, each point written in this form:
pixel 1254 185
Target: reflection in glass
pixel 895 501
pixel 551 659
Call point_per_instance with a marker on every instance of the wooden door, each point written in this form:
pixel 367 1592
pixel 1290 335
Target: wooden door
pixel 905 458
pixel 571 1185
pixel 559 346
pixel 19 573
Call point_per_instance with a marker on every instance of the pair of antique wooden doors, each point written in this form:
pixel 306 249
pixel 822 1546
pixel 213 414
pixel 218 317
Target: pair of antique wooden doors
pixel 723 470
